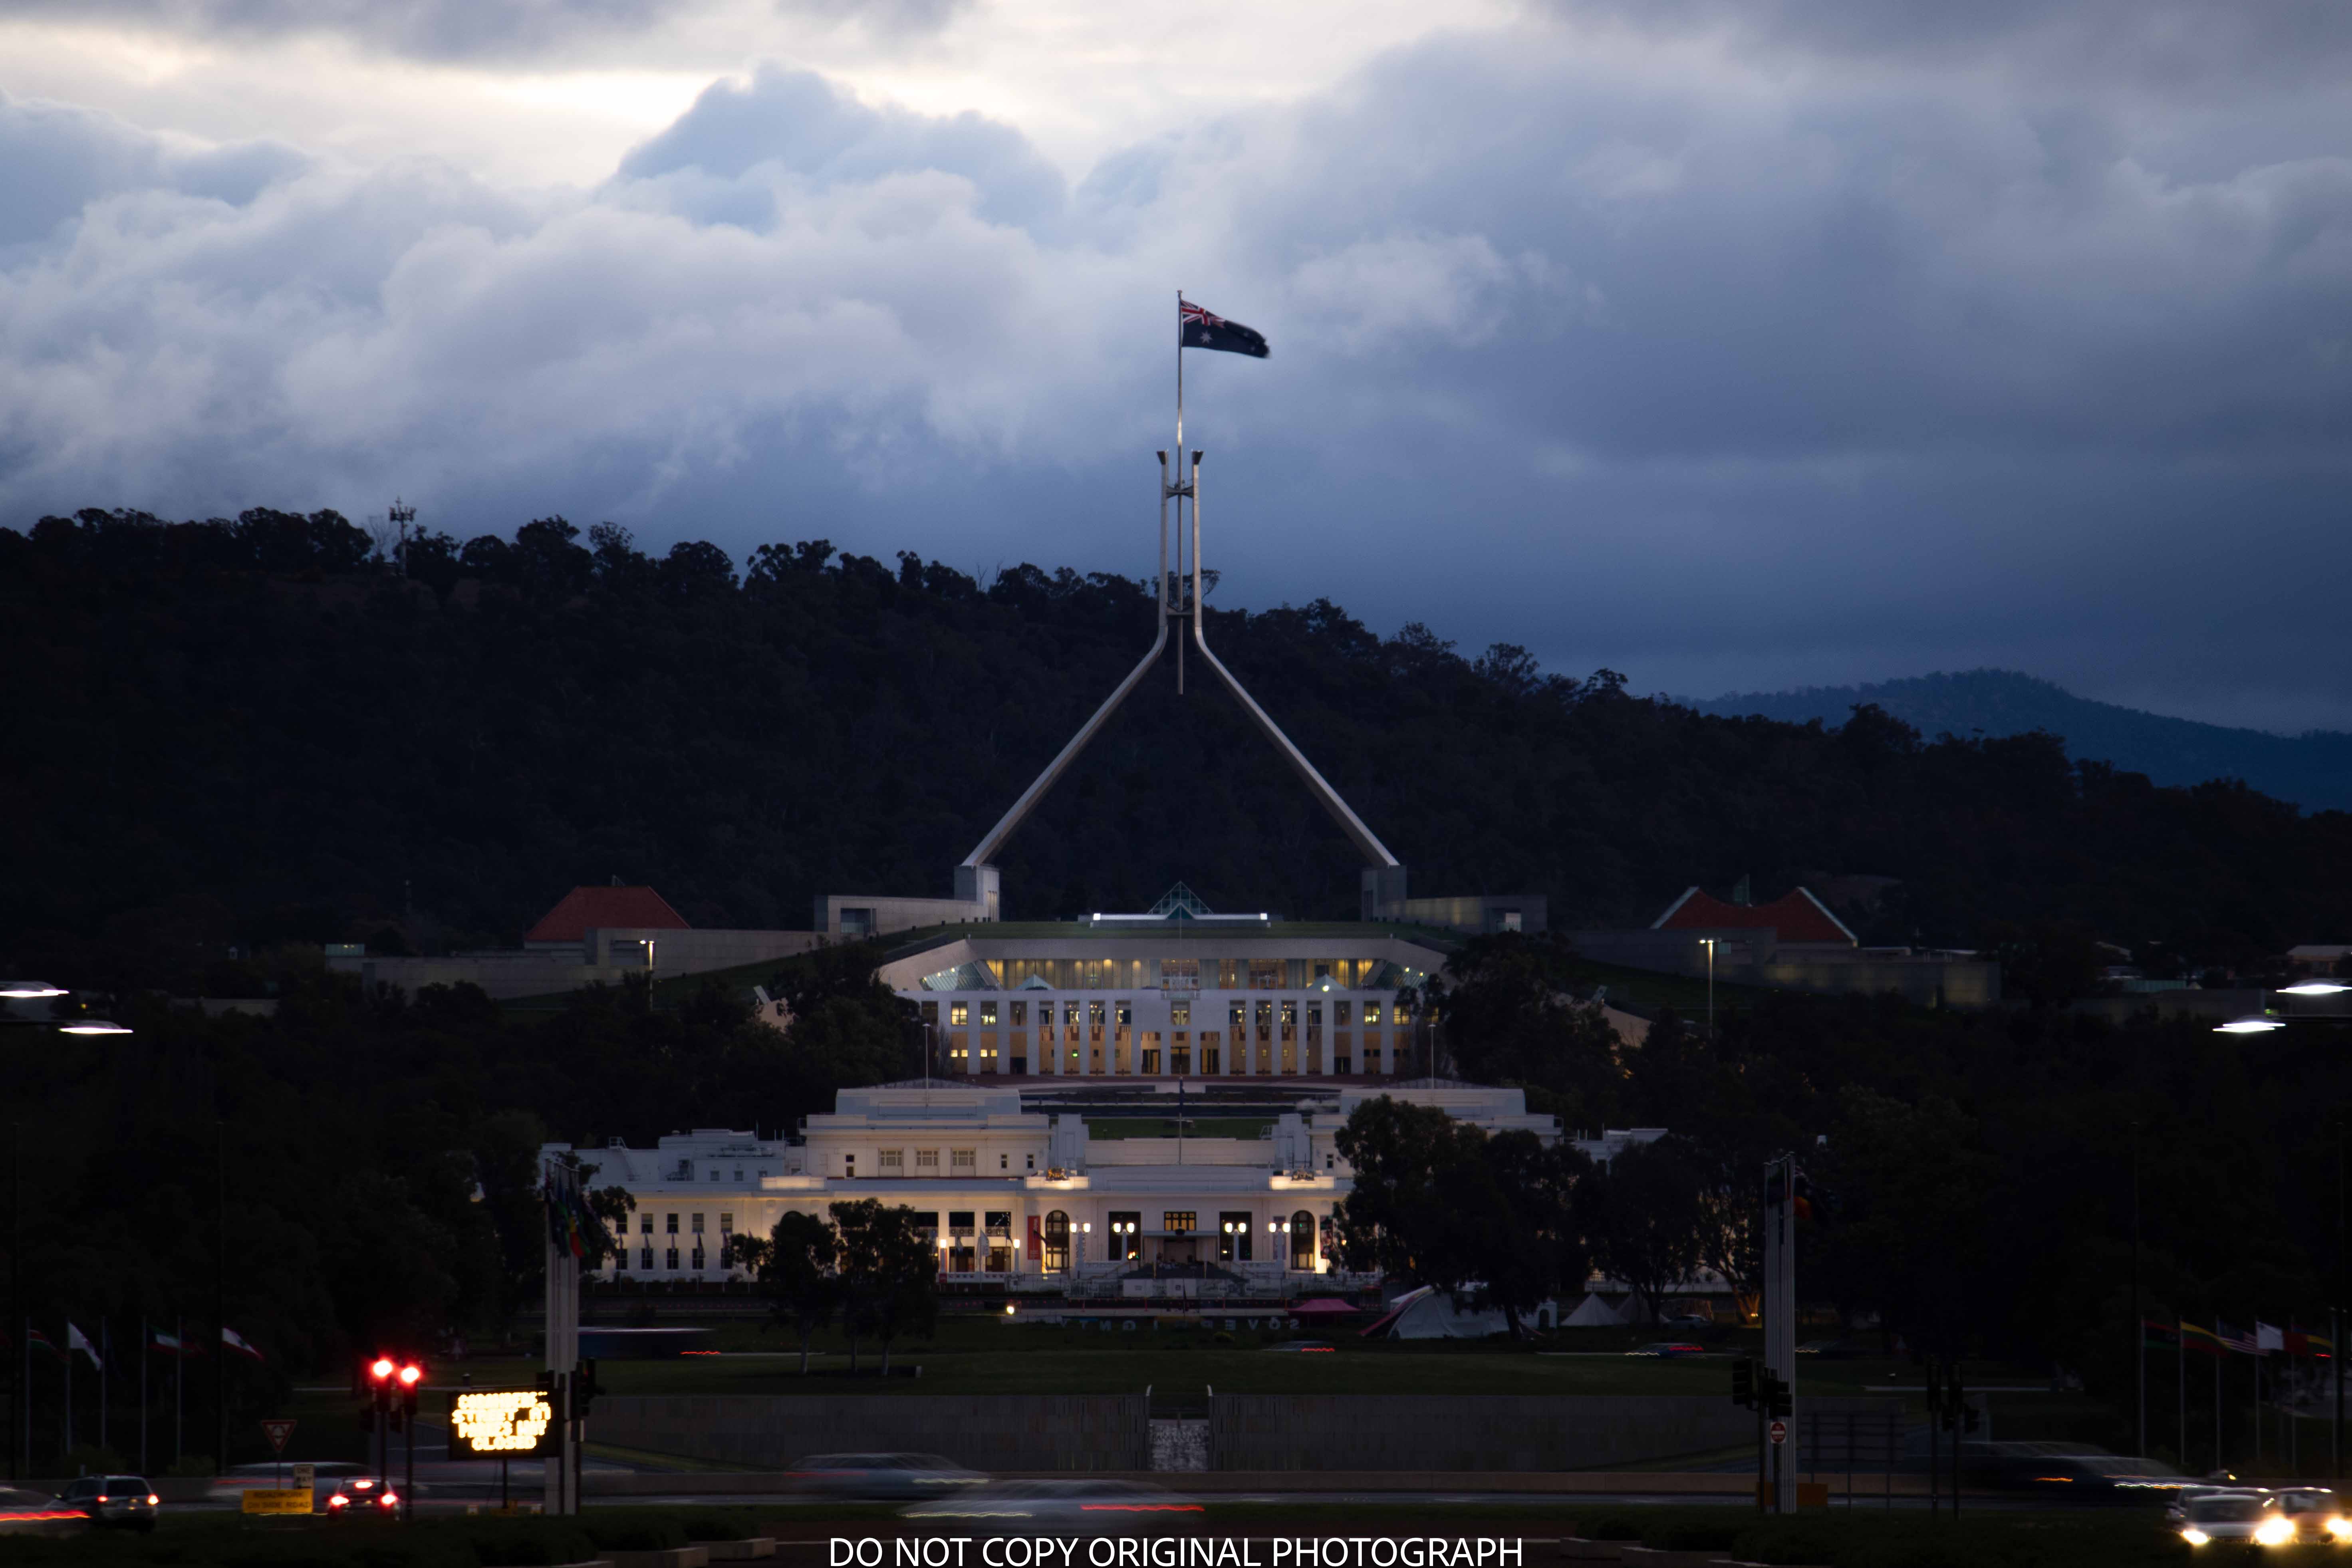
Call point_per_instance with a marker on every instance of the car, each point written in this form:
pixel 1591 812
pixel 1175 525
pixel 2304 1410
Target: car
pixel 1059 1508
pixel 2317 1513
pixel 362 1497
pixel 1669 1349
pixel 124 1502
pixel 881 1475
pixel 2235 1516
pixel 24 1511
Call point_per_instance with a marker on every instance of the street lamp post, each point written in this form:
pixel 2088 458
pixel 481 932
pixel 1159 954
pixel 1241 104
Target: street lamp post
pixel 1708 942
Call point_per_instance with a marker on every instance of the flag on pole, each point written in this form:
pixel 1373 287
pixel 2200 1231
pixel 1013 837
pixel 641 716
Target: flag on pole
pixel 2156 1336
pixel 78 1340
pixel 2268 1337
pixel 2318 1345
pixel 161 1344
pixel 233 1340
pixel 2204 1342
pixel 1198 328
pixel 2238 1339
pixel 36 1339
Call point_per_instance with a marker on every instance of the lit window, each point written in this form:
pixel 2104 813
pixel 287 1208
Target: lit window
pixel 988 1012
pixel 958 1013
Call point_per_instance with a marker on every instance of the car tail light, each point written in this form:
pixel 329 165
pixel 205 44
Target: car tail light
pixel 152 1499
pixel 339 1500
pixel 101 1497
pixel 389 1499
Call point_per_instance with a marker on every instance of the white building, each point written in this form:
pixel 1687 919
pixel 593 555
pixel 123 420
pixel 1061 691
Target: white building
pixel 1169 996
pixel 1021 1192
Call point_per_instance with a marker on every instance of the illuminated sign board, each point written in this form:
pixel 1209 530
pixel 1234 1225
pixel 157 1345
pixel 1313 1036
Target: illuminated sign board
pixel 502 1424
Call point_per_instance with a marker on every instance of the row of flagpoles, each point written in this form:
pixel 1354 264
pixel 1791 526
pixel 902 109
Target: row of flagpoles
pixel 154 1341
pixel 2221 1342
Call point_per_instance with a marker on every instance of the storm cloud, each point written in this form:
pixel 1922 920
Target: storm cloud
pixel 1750 346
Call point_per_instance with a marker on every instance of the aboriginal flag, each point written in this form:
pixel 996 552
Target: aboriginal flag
pixel 1197 329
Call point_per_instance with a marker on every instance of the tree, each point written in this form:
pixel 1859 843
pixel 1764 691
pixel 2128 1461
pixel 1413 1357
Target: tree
pixel 1515 1243
pixel 1642 1213
pixel 888 1274
pixel 795 1265
pixel 1396 1219
pixel 1487 1219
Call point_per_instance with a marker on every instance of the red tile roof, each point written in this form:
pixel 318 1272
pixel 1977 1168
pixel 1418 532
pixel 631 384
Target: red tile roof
pixel 1794 916
pixel 584 909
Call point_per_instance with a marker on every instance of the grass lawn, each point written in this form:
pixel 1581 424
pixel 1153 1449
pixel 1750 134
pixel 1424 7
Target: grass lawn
pixel 986 1355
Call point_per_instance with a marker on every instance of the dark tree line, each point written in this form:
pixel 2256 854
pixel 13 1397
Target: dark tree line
pixel 1971 1174
pixel 355 1173
pixel 245 732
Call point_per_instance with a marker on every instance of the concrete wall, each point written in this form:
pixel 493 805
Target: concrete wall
pixel 1755 957
pixel 889 914
pixel 988 1432
pixel 1474 914
pixel 1247 1432
pixel 606 957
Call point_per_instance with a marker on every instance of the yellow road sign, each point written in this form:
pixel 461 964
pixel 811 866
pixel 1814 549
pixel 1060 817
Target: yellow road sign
pixel 277 1500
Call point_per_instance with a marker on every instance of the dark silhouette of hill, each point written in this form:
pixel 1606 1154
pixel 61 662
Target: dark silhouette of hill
pixel 229 734
pixel 2313 769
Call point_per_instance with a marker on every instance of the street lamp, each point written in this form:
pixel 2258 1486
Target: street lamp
pixel 2315 988
pixel 1708 942
pixel 2252 1024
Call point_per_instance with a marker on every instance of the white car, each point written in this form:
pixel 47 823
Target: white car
pixel 2236 1516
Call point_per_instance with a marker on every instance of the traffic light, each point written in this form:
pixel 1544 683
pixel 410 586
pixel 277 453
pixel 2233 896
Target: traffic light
pixel 412 1377
pixel 380 1373
pixel 1773 1393
pixel 1743 1384
pixel 585 1387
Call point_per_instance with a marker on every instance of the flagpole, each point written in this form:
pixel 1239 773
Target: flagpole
pixel 105 1351
pixel 65 1455
pixel 143 1353
pixel 2180 1380
pixel 179 1387
pixel 1180 500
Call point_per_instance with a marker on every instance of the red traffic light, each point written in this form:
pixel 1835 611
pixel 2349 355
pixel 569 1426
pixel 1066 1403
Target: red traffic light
pixel 410 1374
pixel 381 1368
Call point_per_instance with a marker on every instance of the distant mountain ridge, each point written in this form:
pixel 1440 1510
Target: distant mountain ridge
pixel 2313 770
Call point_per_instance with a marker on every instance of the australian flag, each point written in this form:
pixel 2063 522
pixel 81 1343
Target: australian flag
pixel 1197 329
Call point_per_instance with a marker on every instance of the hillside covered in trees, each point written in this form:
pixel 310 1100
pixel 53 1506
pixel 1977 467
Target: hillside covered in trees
pixel 240 733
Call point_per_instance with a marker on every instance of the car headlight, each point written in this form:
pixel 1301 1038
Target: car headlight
pixel 2275 1531
pixel 2340 1528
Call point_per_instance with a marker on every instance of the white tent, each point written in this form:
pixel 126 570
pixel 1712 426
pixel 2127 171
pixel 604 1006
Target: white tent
pixel 1430 1315
pixel 1592 1312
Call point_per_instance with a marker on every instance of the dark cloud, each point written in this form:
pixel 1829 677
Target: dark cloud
pixel 60 157
pixel 430 29
pixel 796 123
pixel 2170 46
pixel 1727 378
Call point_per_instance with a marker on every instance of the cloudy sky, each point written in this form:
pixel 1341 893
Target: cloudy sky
pixel 1734 344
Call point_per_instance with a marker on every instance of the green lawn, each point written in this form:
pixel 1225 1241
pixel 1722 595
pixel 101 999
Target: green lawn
pixel 988 1354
